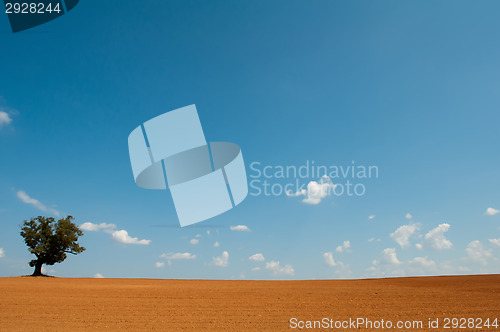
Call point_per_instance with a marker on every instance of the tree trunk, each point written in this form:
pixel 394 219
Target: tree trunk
pixel 38 269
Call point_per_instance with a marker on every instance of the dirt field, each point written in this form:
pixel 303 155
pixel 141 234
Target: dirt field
pixel 56 304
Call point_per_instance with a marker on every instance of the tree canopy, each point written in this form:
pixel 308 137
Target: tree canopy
pixel 50 240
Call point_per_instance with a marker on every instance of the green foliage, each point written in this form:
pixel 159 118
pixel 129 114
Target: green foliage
pixel 50 240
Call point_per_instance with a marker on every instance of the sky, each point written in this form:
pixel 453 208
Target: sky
pixel 409 88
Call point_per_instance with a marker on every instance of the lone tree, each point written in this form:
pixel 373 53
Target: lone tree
pixel 50 240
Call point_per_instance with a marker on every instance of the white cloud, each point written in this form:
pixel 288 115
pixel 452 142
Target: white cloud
pixel 290 193
pixel 342 270
pixel 5 118
pixel 408 216
pixel 88 226
pixel 435 238
pixel 216 244
pixel 120 236
pixel 491 211
pixel 388 257
pixel 371 217
pixel 178 256
pixel 123 237
pixel 208 232
pixel 373 239
pixel 423 262
pixel 477 253
pixel 328 256
pixel 222 260
pixel 344 247
pixel 159 264
pixel 2 253
pixel 495 242
pixel 194 241
pixel 316 191
pixel 197 235
pixel 402 234
pixel 25 198
pixel 256 268
pixel 98 275
pixel 240 228
pixel 276 268
pixel 257 258
pixel 46 271
pixel 387 265
pixel 423 266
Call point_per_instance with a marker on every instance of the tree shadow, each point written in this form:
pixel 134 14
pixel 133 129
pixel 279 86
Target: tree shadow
pixel 38 276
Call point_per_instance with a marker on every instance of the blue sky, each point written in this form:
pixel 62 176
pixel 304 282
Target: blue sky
pixel 411 87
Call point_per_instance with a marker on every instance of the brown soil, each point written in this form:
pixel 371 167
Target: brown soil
pixel 56 304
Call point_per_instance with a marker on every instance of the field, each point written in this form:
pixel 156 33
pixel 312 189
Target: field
pixel 60 304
